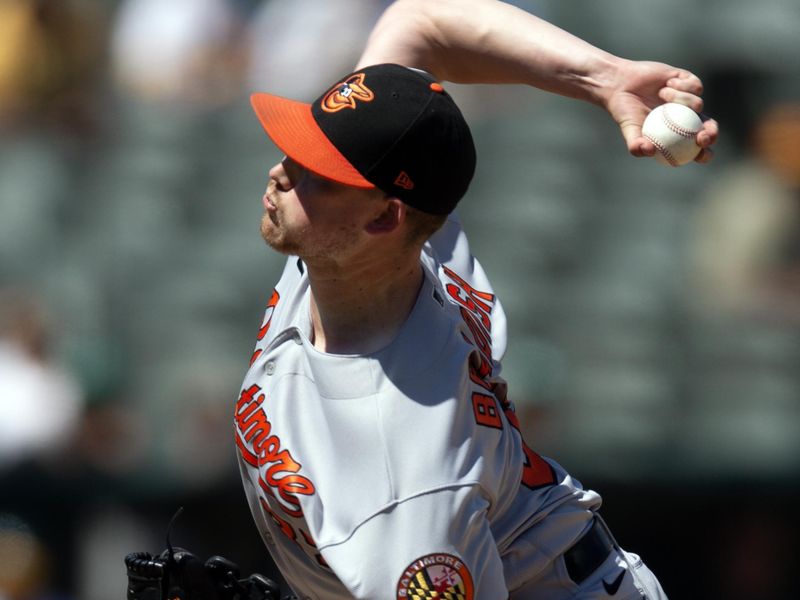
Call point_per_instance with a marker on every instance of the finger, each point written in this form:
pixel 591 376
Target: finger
pixel 686 82
pixel 670 94
pixel 706 154
pixel 641 147
pixel 710 133
pixel 632 133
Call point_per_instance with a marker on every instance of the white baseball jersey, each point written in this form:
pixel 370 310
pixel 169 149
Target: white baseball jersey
pixel 400 473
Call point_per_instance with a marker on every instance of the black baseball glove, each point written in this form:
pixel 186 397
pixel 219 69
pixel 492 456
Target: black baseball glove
pixel 179 575
pixel 176 574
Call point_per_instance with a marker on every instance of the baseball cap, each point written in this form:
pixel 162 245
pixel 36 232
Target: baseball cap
pixel 384 126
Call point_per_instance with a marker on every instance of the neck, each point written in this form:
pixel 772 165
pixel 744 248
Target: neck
pixel 359 309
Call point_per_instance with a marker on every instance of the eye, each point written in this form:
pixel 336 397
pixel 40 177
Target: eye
pixel 294 171
pixel 322 183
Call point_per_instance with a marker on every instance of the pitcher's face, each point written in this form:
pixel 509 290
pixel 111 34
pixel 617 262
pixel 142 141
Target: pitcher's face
pixel 312 217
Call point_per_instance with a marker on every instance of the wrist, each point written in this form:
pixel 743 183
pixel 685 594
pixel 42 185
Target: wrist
pixel 601 78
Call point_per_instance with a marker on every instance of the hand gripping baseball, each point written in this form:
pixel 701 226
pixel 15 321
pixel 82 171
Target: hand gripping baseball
pixel 640 86
pixel 178 575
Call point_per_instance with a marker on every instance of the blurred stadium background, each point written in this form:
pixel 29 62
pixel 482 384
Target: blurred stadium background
pixel 654 313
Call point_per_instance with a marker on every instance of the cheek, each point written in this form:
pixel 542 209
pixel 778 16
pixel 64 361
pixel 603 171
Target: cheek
pixel 292 212
pixel 316 211
pixel 331 210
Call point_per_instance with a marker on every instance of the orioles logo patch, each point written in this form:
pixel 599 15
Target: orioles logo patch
pixel 345 94
pixel 433 576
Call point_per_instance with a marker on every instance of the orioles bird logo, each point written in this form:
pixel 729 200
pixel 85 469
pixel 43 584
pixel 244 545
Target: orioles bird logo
pixel 345 94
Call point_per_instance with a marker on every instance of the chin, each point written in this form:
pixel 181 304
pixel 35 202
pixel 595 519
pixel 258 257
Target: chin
pixel 278 241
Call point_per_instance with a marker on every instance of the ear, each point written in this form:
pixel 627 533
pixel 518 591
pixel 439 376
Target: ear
pixel 389 219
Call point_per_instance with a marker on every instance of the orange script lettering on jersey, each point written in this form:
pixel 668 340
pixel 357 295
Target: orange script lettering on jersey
pixel 259 447
pixel 476 306
pixel 273 302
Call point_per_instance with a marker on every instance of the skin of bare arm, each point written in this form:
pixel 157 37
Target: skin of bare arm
pixel 486 41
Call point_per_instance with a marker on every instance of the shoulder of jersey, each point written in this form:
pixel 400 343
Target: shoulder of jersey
pixel 281 308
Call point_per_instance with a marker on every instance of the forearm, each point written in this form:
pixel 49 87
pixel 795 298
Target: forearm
pixel 485 41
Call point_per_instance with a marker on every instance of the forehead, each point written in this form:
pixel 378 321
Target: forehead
pixel 300 173
pixel 323 194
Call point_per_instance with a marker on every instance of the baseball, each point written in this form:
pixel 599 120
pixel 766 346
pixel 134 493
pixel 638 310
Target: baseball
pixel 672 128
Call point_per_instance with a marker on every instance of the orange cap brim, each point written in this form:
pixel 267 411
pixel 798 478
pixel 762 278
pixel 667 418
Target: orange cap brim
pixel 292 127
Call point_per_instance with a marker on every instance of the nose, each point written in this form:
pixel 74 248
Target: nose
pixel 281 178
pixel 277 170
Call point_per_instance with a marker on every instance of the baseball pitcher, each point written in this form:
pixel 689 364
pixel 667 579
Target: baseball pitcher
pixel 378 445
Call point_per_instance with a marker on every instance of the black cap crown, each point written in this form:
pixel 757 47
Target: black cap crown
pixel 384 126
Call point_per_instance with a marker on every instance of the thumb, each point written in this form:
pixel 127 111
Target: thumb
pixel 637 144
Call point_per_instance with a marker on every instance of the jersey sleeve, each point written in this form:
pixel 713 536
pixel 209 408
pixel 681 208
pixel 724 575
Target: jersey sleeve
pixel 448 250
pixel 438 541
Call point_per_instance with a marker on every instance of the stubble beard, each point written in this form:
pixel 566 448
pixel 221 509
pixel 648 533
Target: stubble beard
pixel 303 243
pixel 276 236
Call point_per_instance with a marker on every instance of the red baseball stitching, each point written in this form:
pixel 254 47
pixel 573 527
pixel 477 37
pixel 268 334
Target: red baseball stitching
pixel 674 127
pixel 664 152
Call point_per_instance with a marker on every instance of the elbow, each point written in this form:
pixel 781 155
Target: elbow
pixel 407 34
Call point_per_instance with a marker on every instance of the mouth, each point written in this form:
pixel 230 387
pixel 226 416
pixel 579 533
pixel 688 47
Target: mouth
pixel 268 202
pixel 269 197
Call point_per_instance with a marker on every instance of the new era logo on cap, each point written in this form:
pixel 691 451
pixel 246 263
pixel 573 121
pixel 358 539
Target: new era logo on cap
pixel 384 126
pixel 404 181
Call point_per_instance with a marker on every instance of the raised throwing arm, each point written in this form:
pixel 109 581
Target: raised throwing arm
pixel 486 41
